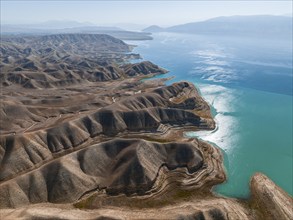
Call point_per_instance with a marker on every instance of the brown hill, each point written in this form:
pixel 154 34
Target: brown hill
pixel 84 137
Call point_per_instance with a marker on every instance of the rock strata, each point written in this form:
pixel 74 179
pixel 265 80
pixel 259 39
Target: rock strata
pixel 274 202
pixel 84 137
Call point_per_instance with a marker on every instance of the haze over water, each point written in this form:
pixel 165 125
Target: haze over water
pixel 248 83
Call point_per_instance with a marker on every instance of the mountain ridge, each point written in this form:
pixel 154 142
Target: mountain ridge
pixel 83 136
pixel 257 25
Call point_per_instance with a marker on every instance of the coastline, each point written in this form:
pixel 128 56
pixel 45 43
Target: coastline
pixel 123 153
pixel 262 106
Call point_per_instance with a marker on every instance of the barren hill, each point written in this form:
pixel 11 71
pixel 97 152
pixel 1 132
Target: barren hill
pixel 83 137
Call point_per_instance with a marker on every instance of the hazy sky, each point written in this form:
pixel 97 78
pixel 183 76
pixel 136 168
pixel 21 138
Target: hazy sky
pixel 139 12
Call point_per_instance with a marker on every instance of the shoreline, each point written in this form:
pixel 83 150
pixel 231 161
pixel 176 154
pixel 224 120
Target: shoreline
pixel 116 144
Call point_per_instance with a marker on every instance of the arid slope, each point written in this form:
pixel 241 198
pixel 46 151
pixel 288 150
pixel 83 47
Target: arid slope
pixel 83 137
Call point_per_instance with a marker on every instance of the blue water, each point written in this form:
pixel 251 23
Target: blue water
pixel 248 83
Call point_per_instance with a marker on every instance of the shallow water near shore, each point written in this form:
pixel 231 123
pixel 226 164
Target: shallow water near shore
pixel 248 83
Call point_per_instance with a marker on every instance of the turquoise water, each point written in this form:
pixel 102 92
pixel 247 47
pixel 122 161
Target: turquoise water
pixel 248 83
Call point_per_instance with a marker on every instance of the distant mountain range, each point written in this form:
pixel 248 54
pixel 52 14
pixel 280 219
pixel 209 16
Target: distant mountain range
pixel 62 27
pixel 254 26
pixel 258 25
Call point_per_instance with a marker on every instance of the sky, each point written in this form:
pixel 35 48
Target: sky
pixel 164 13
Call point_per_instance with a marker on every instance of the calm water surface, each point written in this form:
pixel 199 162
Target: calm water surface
pixel 248 83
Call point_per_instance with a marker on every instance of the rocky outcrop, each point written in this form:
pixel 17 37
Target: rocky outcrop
pixel 270 199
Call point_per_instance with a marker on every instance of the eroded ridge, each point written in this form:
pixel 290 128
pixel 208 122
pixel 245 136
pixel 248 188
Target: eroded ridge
pixel 156 111
pixel 121 166
pixel 84 137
